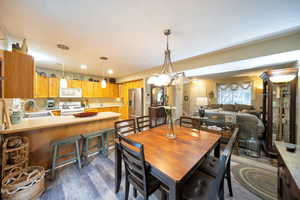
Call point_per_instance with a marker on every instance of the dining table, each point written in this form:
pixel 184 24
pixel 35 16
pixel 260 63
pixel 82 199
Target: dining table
pixel 171 161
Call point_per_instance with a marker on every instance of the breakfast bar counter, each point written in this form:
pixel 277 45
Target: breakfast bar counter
pixel 42 131
pixel 56 121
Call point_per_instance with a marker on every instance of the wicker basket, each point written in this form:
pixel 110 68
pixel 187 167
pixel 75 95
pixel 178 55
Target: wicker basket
pixel 15 151
pixel 23 184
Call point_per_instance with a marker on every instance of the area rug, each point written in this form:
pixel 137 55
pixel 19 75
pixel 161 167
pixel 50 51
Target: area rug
pixel 261 182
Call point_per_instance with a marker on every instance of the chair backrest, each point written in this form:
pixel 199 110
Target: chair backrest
pixel 134 160
pixel 186 122
pixel 229 147
pixel 218 183
pixel 143 123
pixel 125 127
pixel 224 162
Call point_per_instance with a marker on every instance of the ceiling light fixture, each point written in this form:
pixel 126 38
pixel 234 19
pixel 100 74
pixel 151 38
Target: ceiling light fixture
pixel 167 75
pixel 103 81
pixel 63 82
pixel 83 66
pixel 282 78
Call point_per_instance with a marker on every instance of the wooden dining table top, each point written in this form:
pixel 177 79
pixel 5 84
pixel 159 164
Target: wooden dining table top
pixel 175 157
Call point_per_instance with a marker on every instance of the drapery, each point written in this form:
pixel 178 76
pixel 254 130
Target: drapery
pixel 235 93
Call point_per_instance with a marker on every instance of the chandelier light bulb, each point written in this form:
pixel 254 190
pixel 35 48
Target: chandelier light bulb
pixel 152 80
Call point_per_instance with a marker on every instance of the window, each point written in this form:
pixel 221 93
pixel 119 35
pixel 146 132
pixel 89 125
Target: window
pixel 235 93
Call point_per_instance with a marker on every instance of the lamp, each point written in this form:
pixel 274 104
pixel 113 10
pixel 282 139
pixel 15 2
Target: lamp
pixel 103 81
pixel 201 101
pixel 167 75
pixel 63 83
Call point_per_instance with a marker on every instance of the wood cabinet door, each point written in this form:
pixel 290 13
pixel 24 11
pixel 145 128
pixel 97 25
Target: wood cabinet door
pixel 53 87
pixel 42 86
pixel 19 73
pixel 74 84
pixel 87 89
pixel 114 90
pixel 97 90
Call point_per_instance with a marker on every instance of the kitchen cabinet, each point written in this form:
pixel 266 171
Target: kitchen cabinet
pixel 19 73
pixel 87 89
pixel 49 87
pixel 123 93
pixel 105 109
pixel 42 86
pixel 75 84
pixel 53 87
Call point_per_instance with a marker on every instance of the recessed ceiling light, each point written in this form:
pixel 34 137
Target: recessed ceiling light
pixel 83 66
pixel 110 71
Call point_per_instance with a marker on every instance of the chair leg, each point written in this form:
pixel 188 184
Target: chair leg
pixel 78 154
pixel 54 162
pixel 134 192
pixel 228 177
pixel 126 188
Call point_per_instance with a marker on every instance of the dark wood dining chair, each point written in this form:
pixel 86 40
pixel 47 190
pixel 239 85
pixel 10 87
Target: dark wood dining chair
pixel 125 127
pixel 186 122
pixel 208 181
pixel 143 123
pixel 202 186
pixel 211 164
pixel 136 171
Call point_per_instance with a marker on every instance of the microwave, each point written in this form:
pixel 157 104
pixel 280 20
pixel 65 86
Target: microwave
pixel 70 92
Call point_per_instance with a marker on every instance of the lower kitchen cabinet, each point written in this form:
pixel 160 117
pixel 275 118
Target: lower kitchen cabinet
pixel 106 109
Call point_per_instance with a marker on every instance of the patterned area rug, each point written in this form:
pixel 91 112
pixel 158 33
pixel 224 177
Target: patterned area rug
pixel 261 182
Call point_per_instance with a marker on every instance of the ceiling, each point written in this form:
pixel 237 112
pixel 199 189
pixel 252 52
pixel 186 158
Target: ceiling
pixel 130 32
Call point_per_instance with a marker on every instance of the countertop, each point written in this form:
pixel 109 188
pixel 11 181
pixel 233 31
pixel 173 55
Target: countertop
pixel 48 122
pixel 291 160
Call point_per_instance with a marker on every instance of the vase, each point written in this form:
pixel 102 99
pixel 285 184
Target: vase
pixel 171 133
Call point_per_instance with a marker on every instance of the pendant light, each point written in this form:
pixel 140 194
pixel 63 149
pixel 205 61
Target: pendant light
pixel 63 82
pixel 167 75
pixel 103 81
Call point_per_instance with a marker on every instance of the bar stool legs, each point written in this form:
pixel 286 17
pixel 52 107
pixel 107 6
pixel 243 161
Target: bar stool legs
pixel 54 162
pixel 75 154
pixel 78 154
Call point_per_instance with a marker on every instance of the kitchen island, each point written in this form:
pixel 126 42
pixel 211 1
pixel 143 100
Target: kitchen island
pixel 42 131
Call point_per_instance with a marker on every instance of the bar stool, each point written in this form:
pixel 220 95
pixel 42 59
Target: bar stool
pixel 101 145
pixel 76 154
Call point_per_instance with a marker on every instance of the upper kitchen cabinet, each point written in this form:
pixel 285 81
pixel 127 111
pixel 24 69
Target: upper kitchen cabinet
pixel 75 84
pixel 42 86
pixel 19 75
pixel 87 89
pixel 53 87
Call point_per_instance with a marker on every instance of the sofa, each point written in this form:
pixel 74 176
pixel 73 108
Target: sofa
pixel 250 125
pixel 235 108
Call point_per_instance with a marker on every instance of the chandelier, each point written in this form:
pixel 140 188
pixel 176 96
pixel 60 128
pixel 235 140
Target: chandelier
pixel 167 74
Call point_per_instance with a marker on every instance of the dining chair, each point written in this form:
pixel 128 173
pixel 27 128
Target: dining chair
pixel 186 122
pixel 211 164
pixel 202 186
pixel 136 171
pixel 125 127
pixel 143 123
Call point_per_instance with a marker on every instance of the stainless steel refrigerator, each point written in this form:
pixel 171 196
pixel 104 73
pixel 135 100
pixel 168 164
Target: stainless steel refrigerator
pixel 135 102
